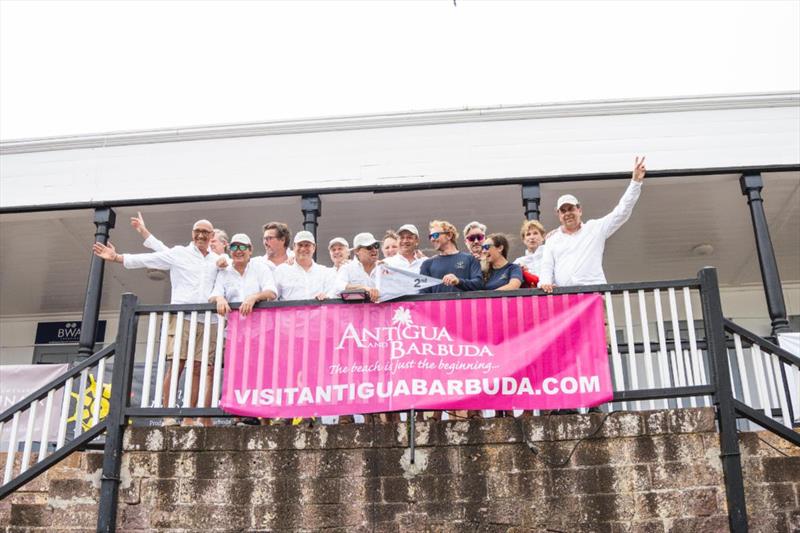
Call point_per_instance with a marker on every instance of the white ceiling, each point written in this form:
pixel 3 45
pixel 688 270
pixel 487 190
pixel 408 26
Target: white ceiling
pixel 45 256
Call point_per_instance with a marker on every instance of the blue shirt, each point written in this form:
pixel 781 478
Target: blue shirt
pixel 501 276
pixel 465 267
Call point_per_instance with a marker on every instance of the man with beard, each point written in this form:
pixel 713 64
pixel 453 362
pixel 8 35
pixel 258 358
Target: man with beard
pixel 304 279
pixel 193 272
pixel 458 271
pixel 361 273
pixel 474 234
pixel 276 243
pixel 573 254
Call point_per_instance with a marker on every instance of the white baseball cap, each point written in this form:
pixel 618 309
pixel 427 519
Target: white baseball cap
pixel 241 238
pixel 339 240
pixel 364 239
pixel 566 199
pixel 410 228
pixel 304 236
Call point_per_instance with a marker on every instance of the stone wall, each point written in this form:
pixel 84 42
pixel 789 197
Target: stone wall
pixel 653 472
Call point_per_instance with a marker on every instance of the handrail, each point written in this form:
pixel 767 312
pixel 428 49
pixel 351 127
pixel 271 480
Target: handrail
pixel 57 382
pixel 787 357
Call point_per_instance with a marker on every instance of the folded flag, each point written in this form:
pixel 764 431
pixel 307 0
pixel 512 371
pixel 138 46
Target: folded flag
pixel 395 282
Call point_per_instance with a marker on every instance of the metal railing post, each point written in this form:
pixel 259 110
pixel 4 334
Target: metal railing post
pixel 311 206
pixel 531 197
pixel 120 393
pixel 723 400
pixel 104 220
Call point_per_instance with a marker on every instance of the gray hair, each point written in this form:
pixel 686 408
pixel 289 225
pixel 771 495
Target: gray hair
pixel 474 224
pixel 221 235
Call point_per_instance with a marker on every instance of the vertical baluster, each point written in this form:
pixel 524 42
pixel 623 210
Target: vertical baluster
pixel 12 448
pixel 189 374
pixel 176 360
pixel 649 376
pixel 98 393
pixel 697 365
pixel 758 368
pixel 663 353
pixel 772 383
pixel 44 439
pixel 782 400
pixel 204 360
pixel 162 361
pixel 676 334
pixel 62 420
pixel 26 449
pixel 148 359
pixel 633 372
pixel 218 363
pixel 737 343
pixel 81 403
pixel 616 359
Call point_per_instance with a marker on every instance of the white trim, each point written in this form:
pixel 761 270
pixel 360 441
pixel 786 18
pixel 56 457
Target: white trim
pixel 415 118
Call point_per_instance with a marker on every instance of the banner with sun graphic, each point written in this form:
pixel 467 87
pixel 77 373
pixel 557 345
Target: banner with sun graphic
pixel 525 352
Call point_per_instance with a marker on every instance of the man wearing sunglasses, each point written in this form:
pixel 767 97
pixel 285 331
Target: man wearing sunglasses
pixel 192 273
pixel 361 273
pixel 474 234
pixel 304 279
pixel 459 271
pixel 574 251
pixel 245 281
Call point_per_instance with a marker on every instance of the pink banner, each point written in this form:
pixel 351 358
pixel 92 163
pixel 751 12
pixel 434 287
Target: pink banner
pixel 523 352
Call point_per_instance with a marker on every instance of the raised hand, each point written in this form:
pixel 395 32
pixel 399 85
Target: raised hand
pixel 137 223
pixel 109 253
pixel 638 169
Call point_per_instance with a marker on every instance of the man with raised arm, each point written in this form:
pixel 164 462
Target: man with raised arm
pixel 305 279
pixel 459 271
pixel 192 272
pixel 573 254
pixel 218 243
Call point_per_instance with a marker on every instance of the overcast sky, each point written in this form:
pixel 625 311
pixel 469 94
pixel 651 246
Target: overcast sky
pixel 90 67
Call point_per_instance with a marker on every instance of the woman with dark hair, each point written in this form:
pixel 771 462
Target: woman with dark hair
pixel 498 272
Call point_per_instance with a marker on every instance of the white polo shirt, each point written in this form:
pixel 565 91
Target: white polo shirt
pixel 235 287
pixel 191 274
pixel 532 261
pixel 296 283
pixel 577 258
pixel 398 261
pixel 353 273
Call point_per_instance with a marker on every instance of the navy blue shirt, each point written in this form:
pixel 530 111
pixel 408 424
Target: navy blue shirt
pixel 501 276
pixel 465 267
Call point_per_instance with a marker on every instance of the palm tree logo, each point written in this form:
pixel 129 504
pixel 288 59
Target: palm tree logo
pixel 402 317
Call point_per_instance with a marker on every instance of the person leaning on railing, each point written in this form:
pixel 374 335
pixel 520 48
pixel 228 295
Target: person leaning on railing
pixel 533 236
pixel 573 254
pixel 192 272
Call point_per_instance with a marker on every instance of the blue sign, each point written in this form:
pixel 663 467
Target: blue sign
pixel 65 332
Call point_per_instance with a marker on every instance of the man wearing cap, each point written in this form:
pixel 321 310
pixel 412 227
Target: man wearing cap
pixel 304 279
pixel 574 252
pixel 245 281
pixel 408 257
pixel 339 250
pixel 474 234
pixel 361 273
pixel 192 272
pixel 459 271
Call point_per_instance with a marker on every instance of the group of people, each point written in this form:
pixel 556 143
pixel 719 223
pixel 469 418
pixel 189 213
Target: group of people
pixel 213 268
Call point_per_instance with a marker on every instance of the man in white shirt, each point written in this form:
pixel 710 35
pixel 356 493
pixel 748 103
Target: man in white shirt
pixel 218 243
pixel 408 257
pixel 193 272
pixel 361 274
pixel 245 281
pixel 339 250
pixel 573 254
pixel 276 243
pixel 304 279
pixel 532 233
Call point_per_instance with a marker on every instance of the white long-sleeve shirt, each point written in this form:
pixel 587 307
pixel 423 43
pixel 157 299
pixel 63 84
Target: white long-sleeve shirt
pixel 398 261
pixel 571 259
pixel 532 261
pixel 296 283
pixel 191 274
pixel 157 245
pixel 235 287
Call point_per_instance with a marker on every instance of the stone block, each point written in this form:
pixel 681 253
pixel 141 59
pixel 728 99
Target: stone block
pixel 643 526
pixel 386 512
pixel 222 438
pixel 138 464
pixel 92 461
pixel 69 489
pixel 778 469
pixel 708 524
pixel 656 423
pixel 481 459
pixel 620 424
pixel 348 463
pixel 658 504
pixel 185 439
pixel 694 420
pixel 396 489
pixel 133 517
pixel 504 485
pixel 677 474
pixel 72 515
pixel 700 502
pixel 222 491
pixel 159 492
pixel 31 515
pixel 599 508
pixel 144 439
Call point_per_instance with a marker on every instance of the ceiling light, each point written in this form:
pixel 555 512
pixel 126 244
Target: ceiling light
pixel 703 249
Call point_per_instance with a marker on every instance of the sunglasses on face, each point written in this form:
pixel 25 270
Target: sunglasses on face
pixel 486 246
pixel 201 232
pixel 434 235
pixel 375 246
pixel 239 247
pixel 476 238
